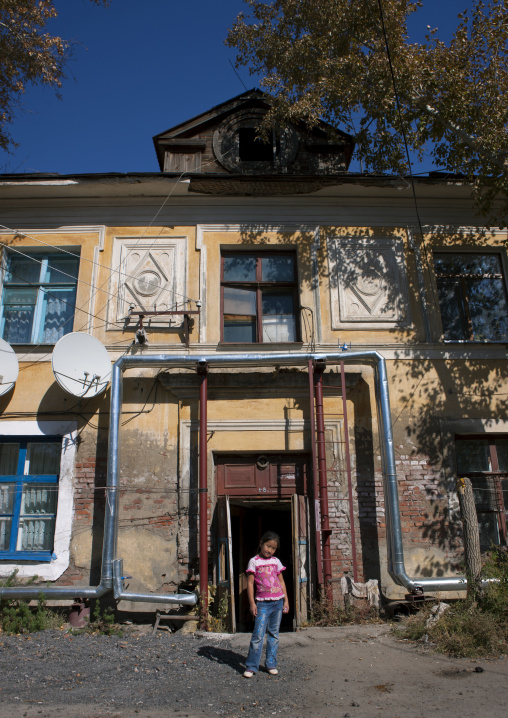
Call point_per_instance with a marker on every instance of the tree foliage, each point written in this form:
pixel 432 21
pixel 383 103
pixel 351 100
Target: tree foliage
pixel 331 59
pixel 28 55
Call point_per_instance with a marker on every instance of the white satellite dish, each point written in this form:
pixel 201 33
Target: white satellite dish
pixel 9 367
pixel 81 364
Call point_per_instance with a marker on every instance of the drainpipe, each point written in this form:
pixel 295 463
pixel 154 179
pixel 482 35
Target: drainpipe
pixel 319 367
pixel 202 369
pixel 186 599
pixel 315 478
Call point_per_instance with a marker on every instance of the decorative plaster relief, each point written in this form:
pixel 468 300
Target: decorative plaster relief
pixel 151 277
pixel 367 282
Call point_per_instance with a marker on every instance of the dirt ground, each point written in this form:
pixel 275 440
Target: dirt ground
pixel 350 672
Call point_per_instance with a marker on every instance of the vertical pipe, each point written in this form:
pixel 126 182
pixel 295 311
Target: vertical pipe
pixel 203 485
pixel 348 469
pixel 323 487
pixel 111 504
pixel 315 478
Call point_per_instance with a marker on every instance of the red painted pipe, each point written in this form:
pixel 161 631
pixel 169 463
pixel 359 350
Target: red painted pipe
pixel 315 475
pixel 323 484
pixel 203 487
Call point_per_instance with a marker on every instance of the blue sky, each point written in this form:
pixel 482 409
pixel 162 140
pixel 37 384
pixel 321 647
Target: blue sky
pixel 139 68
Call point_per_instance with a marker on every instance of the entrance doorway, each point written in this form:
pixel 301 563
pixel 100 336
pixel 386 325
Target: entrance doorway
pixel 258 493
pixel 240 524
pixel 249 521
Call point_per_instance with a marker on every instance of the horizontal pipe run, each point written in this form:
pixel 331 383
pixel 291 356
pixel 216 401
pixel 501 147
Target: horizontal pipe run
pixel 185 599
pixel 30 593
pixel 396 567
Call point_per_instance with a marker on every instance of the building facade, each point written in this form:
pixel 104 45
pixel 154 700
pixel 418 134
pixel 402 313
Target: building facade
pixel 265 250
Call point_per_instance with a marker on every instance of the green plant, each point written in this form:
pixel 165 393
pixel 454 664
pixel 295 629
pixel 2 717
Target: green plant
pixel 470 628
pixel 214 617
pixel 103 621
pixel 18 617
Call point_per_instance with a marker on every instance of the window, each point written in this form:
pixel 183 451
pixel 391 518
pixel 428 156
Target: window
pixel 485 461
pixel 38 298
pixel 259 297
pixel 251 148
pixel 472 296
pixel 29 471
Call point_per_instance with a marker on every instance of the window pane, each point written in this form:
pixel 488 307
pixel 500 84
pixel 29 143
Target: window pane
pixel 43 458
pixel 239 301
pixel 9 459
pixel 7 492
pixel 61 270
pixel 473 455
pixel 19 306
pixel 489 530
pixel 239 329
pixel 485 494
pixel 453 311
pixel 241 268
pixel 39 499
pixel 36 534
pixel 278 269
pixel 279 328
pixel 58 312
pixel 278 302
pixel 467 263
pixel 5 533
pixel 21 269
pixel 502 454
pixel 488 308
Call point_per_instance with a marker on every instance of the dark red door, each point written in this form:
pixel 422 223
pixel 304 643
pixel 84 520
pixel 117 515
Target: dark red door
pixel 261 475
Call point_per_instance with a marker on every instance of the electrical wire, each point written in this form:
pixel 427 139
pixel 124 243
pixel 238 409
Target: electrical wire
pixel 19 233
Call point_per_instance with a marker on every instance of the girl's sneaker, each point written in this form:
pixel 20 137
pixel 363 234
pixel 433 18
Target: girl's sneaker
pixel 273 671
pixel 248 674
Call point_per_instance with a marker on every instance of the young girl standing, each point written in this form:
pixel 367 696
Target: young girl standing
pixel 265 581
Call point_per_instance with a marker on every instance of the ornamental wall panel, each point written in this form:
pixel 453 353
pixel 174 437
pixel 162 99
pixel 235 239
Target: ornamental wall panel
pixel 150 276
pixel 368 284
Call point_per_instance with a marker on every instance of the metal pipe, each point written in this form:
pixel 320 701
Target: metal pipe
pixel 396 567
pixel 315 469
pixel 203 484
pixel 349 478
pixel 323 484
pixel 186 599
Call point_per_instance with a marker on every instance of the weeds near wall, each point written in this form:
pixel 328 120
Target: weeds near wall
pixel 18 616
pixel 326 612
pixel 215 619
pixel 470 629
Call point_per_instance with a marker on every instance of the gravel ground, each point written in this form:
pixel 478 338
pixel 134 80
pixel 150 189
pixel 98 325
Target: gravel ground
pixel 348 672
pixel 186 673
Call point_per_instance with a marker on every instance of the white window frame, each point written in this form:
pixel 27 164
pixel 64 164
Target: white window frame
pixel 65 505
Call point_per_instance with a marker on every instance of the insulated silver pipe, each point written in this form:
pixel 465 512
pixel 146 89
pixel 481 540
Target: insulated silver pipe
pixel 186 599
pixel 396 567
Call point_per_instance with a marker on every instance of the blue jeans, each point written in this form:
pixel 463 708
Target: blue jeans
pixel 267 621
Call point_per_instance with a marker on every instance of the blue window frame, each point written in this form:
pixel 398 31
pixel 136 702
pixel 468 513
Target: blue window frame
pixel 29 471
pixel 38 297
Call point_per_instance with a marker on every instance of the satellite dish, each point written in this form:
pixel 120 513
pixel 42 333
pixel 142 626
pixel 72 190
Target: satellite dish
pixel 81 364
pixel 9 367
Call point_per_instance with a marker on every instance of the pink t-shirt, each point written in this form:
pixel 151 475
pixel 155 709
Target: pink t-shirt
pixel 266 577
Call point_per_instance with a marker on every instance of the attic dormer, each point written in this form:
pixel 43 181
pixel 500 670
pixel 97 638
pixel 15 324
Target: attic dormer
pixel 225 140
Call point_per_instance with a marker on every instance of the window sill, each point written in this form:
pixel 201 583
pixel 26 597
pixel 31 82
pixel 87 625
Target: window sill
pixel 31 556
pixel 261 345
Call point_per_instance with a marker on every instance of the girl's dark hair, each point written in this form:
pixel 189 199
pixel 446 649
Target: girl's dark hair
pixel 270 536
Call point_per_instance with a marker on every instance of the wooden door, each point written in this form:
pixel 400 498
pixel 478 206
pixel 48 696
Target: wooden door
pixel 225 584
pixel 301 558
pixel 263 475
